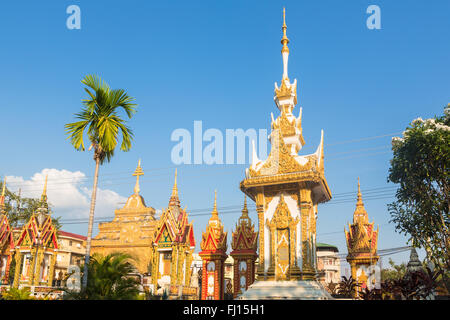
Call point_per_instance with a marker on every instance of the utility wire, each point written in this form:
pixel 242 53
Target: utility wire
pixel 88 178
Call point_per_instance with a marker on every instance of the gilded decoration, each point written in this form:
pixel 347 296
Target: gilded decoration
pixel 361 236
pixel 214 239
pixel 244 244
pixel 213 254
pixel 131 231
pixel 361 241
pixel 283 230
pixel 285 172
pixel 244 237
pixel 173 243
pixel 6 240
pixel 37 240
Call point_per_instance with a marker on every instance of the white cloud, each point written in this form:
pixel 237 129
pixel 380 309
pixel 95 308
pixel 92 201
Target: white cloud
pixel 67 194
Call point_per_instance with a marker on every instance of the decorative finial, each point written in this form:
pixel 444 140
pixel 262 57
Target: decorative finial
pixel 214 212
pixel 2 197
pixel 285 49
pixel 138 172
pixel 4 188
pixel 174 200
pixel 360 214
pixel 44 192
pixel 359 193
pixel 245 210
pixel 175 187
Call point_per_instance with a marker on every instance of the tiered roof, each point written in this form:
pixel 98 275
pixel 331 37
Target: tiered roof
pixel 39 230
pixel 362 239
pixel 244 238
pixel 284 164
pixel 173 226
pixel 214 239
pixel 6 235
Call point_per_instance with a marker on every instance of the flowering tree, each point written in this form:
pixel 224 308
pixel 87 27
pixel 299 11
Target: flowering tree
pixel 420 165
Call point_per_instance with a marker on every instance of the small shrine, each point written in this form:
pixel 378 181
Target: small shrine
pixel 213 254
pixel 36 247
pixel 244 244
pixel 6 240
pixel 172 250
pixel 287 188
pixel 362 241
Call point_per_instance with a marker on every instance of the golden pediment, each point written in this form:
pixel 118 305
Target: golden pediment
pixel 282 217
pixel 281 160
pixel 286 91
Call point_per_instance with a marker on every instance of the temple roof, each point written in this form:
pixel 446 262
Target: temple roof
pixel 214 239
pixel 244 237
pixel 39 230
pixel 174 226
pixel 362 238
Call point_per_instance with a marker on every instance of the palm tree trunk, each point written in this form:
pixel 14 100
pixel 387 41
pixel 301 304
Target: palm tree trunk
pixel 91 223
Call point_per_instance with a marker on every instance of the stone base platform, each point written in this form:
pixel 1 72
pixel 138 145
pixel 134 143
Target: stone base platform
pixel 286 290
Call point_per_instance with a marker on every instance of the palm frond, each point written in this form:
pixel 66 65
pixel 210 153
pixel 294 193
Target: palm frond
pixel 99 118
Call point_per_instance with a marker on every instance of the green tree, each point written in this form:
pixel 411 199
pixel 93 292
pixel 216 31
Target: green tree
pixel 109 279
pixel 420 165
pixel 100 120
pixel 395 272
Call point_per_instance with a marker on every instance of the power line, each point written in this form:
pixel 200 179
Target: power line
pixel 88 178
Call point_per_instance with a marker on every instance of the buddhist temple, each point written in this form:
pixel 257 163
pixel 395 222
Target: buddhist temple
pixel 362 241
pixel 287 188
pixel 131 230
pixel 36 248
pixel 213 254
pixel 244 244
pixel 172 250
pixel 6 240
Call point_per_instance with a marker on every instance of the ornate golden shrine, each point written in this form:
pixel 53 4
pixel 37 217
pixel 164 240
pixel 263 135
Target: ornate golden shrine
pixel 172 248
pixel 213 254
pixel 244 244
pixel 36 248
pixel 362 241
pixel 287 189
pixel 6 240
pixel 131 230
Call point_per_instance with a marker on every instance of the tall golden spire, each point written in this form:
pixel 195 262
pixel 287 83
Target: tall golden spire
pixel 175 187
pixel 174 200
pixel 245 210
pixel 244 216
pixel 2 197
pixel 4 187
pixel 43 209
pixel 360 214
pixel 138 172
pixel 215 213
pixel 44 192
pixel 285 49
pixel 284 40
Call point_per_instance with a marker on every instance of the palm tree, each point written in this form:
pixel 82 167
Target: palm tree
pixel 99 117
pixel 109 279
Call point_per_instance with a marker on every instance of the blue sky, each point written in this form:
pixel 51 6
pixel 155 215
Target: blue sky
pixel 217 61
